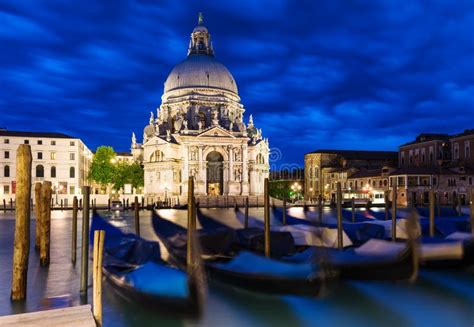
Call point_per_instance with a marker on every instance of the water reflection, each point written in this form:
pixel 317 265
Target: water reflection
pixel 440 297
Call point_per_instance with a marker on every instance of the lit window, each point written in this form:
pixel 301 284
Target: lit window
pixel 6 189
pixel 53 155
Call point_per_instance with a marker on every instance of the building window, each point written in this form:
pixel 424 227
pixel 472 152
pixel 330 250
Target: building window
pixel 53 142
pixel 451 181
pixel 402 158
pixel 53 172
pixel 40 142
pixel 72 156
pixel 72 143
pixel 6 171
pixel 6 189
pixel 157 156
pixel 467 150
pixel 385 182
pixel 39 155
pixel 72 172
pixel 39 171
pixel 470 180
pixel 6 141
pixel 260 159
pixel 53 155
pixel 434 181
pixel 456 151
pixel 27 141
pixel 72 189
pixel 7 154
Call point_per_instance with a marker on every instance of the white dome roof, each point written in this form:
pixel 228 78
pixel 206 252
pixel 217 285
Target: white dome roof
pixel 200 71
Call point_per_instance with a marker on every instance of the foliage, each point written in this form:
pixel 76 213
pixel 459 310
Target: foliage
pixel 102 168
pixel 282 189
pixel 128 173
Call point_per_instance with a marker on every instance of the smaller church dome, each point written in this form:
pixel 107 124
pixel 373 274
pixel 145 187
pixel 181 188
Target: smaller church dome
pixel 149 130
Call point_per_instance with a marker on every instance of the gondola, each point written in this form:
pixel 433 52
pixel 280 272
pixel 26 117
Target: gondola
pixel 135 268
pixel 248 270
pixel 359 233
pixel 375 260
pixel 451 246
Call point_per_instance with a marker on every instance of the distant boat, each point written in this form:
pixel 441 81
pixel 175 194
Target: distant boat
pixel 135 268
pixel 243 269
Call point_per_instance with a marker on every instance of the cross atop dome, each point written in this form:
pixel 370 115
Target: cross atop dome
pixel 200 42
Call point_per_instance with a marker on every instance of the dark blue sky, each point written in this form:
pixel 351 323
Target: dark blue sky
pixel 315 74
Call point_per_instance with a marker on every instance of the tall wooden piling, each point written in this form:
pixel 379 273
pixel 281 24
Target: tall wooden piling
pixel 74 231
pixel 283 218
pixel 98 252
pixel 191 224
pixel 21 247
pixel 266 216
pixel 38 214
pixel 387 206
pixel 339 215
pixel 459 205
pixel 438 203
pixel 432 213
pixel 136 208
pixel 471 210
pixel 108 204
pixel 320 208
pixel 353 209
pixel 85 239
pixel 45 228
pixel 246 221
pixel 394 212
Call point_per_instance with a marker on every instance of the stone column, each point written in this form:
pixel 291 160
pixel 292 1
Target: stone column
pixel 225 183
pixel 231 163
pixel 201 174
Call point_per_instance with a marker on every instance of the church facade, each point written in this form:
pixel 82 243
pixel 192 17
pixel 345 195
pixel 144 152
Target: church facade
pixel 199 131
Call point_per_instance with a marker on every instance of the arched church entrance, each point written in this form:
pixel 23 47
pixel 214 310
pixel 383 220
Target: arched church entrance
pixel 215 173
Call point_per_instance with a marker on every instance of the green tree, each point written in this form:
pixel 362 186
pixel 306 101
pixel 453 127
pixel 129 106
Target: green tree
pixel 102 170
pixel 126 173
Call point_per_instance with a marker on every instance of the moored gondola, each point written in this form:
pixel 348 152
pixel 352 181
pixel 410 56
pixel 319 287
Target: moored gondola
pixel 135 268
pixel 249 270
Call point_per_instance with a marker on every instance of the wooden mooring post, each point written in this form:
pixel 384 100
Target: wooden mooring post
pixel 471 210
pixel 85 240
pixel 74 231
pixel 432 213
pixel 353 209
pixel 38 214
pixel 339 215
pixel 394 212
pixel 246 221
pixel 191 224
pixel 438 204
pixel 266 216
pixel 283 218
pixel 320 208
pixel 98 252
pixel 136 208
pixel 45 228
pixel 387 205
pixel 459 205
pixel 21 247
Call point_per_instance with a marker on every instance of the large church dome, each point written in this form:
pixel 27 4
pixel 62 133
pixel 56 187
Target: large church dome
pixel 200 70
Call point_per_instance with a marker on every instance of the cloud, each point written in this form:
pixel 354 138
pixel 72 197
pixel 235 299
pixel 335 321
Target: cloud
pixel 326 74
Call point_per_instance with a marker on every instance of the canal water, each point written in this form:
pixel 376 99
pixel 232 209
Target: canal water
pixel 438 298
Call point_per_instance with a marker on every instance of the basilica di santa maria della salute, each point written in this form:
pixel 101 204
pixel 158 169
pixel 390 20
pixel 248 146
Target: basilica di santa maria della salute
pixel 199 131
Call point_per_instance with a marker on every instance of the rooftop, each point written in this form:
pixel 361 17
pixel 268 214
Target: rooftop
pixel 425 137
pixel 362 154
pixel 5 132
pixel 422 171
